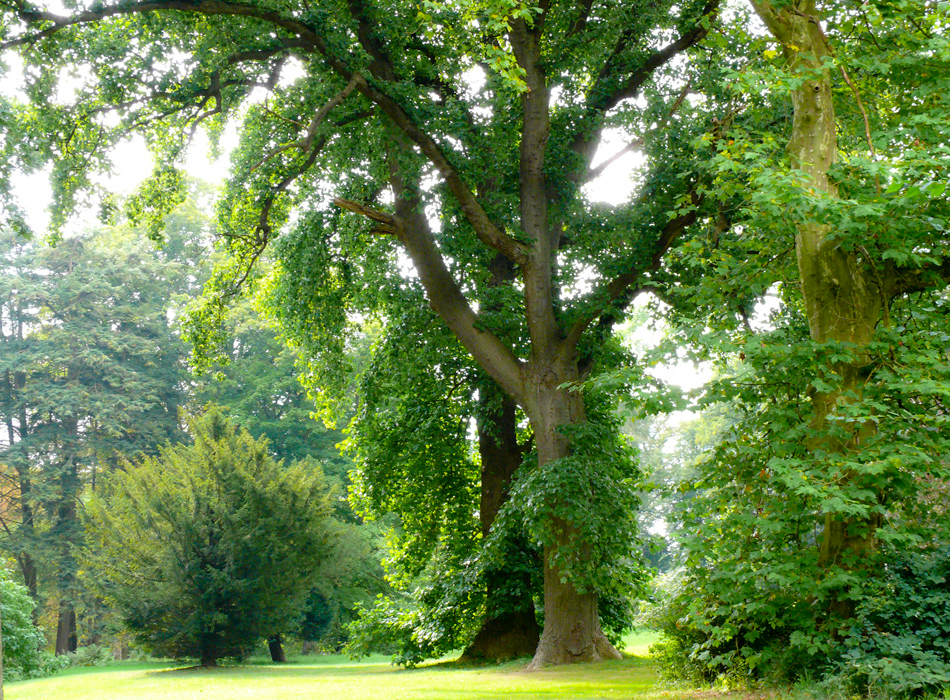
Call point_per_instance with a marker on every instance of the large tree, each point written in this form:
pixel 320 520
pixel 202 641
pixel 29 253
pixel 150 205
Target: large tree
pixel 862 240
pixel 90 371
pixel 384 98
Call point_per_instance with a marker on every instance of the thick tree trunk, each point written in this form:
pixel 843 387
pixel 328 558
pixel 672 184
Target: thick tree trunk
pixel 843 301
pixel 276 650
pixel 509 629
pixel 572 631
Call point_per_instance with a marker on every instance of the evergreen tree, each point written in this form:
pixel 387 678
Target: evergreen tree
pixel 209 547
pixel 91 370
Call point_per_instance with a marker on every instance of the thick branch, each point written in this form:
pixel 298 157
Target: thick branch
pixel 919 279
pixel 387 222
pixel 445 297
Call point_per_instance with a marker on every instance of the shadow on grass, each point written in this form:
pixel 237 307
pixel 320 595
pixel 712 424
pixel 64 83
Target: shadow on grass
pixel 343 669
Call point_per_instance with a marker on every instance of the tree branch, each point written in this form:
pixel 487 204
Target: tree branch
pixel 639 142
pixel 622 289
pixel 604 95
pixel 445 296
pixel 382 69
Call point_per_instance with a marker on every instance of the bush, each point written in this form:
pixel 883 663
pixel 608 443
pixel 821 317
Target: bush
pixel 21 639
pixel 900 644
pixel 92 655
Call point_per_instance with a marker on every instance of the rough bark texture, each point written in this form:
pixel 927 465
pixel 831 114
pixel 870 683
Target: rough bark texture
pixel 844 302
pixel 572 631
pixel 508 635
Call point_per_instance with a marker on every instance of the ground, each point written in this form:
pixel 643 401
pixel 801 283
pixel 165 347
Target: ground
pixel 335 677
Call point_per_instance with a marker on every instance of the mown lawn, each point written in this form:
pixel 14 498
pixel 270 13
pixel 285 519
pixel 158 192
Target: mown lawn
pixel 332 677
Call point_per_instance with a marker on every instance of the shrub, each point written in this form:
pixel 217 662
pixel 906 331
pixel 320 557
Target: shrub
pixel 900 644
pixel 21 639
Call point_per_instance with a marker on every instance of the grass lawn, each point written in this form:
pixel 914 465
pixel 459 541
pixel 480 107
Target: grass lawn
pixel 335 677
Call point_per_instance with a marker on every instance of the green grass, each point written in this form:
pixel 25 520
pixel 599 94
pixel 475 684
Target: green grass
pixel 638 642
pixel 335 677
pixel 331 678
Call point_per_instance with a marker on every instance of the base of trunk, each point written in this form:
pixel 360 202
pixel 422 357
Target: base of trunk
pixel 508 636
pixel 573 647
pixel 276 650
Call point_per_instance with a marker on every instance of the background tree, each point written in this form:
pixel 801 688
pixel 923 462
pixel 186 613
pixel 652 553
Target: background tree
pixel 209 547
pixel 382 105
pixel 91 370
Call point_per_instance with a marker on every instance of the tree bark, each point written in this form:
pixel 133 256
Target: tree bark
pixel 66 638
pixel 572 631
pixel 276 649
pixel 510 629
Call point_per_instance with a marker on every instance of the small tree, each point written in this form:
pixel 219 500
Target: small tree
pixel 209 547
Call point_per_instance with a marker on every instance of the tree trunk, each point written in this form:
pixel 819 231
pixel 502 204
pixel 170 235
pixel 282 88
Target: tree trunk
pixel 509 629
pixel 572 631
pixel 276 650
pixel 209 657
pixel 66 639
pixel 843 300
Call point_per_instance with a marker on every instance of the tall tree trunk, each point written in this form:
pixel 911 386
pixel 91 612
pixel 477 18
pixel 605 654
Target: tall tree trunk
pixel 843 300
pixel 510 628
pixel 66 530
pixel 572 631
pixel 66 639
pixel 27 532
pixel 276 649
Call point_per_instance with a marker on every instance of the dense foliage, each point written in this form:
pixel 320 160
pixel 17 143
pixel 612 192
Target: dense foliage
pixel 90 370
pixel 21 639
pixel 210 546
pixel 834 470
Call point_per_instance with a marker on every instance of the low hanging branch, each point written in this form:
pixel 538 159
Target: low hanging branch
pixel 388 226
